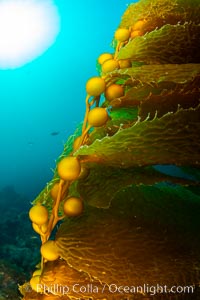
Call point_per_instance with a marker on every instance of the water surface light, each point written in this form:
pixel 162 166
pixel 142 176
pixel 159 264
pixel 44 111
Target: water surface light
pixel 27 29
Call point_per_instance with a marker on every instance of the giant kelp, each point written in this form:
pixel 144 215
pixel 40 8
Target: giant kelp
pixel 140 225
pixel 173 147
pixel 181 41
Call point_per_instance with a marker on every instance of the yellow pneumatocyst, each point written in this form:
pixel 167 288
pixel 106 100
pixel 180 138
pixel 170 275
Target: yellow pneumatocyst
pixel 38 214
pixel 138 25
pixel 49 250
pixel 35 284
pixel 73 207
pixel 124 63
pixel 97 117
pixel 114 91
pixel 69 168
pixel 36 228
pixel 44 227
pixel 122 34
pixel 103 57
pixel 54 191
pixel 110 65
pixel 95 86
pixel 76 143
pixel 40 228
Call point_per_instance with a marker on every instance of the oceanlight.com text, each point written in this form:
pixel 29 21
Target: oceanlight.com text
pixel 114 289
pixel 151 289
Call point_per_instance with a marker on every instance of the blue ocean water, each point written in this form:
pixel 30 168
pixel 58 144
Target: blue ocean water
pixel 42 102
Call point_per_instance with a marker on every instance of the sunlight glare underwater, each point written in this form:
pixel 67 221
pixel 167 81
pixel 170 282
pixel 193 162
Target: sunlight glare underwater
pixel 27 29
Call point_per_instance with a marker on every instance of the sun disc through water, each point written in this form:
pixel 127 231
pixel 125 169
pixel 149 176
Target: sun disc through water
pixel 27 29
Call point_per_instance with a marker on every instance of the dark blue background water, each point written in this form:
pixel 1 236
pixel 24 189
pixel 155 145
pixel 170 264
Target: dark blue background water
pixel 48 94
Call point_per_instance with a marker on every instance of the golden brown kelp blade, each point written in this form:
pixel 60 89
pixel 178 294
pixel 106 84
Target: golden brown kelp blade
pixel 157 13
pixel 181 40
pixel 172 139
pixel 148 235
pixel 159 88
pixel 169 31
pixel 106 182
